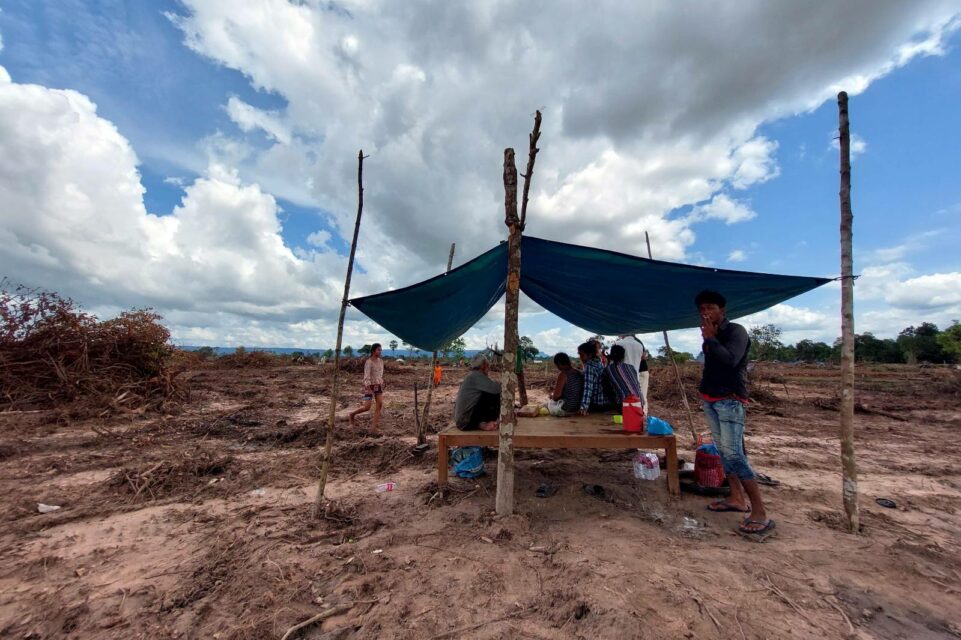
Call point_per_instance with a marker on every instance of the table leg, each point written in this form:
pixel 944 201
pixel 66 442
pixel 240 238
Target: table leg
pixel 673 481
pixel 442 462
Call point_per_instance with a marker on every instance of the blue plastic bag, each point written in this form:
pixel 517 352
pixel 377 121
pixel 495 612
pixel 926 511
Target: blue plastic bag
pixel 658 427
pixel 467 462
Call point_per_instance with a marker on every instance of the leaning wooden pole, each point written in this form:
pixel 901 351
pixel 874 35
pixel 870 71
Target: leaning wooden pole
pixel 849 486
pixel 677 372
pixel 533 137
pixel 335 382
pixel 504 501
pixel 422 423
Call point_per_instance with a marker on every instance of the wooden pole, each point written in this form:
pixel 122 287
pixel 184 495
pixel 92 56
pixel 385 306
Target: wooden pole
pixel 849 486
pixel 504 500
pixel 677 372
pixel 422 424
pixel 335 383
pixel 533 137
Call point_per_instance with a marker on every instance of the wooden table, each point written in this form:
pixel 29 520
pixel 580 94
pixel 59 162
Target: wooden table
pixel 578 432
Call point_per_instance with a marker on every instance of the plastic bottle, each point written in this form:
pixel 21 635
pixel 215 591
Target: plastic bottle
pixel 387 486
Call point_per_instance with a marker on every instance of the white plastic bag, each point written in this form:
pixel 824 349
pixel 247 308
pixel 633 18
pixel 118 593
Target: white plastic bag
pixel 647 466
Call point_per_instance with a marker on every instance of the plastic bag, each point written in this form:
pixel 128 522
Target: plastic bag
pixel 467 462
pixel 647 466
pixel 658 427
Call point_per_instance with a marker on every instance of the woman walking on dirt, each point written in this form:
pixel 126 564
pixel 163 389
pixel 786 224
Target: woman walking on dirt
pixel 373 387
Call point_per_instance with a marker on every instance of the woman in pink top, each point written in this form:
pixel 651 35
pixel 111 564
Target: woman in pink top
pixel 373 387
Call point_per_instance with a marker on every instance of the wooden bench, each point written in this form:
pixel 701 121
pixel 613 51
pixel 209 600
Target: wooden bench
pixel 579 432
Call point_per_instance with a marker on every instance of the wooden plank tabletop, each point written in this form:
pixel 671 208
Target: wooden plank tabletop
pixel 593 431
pixel 596 431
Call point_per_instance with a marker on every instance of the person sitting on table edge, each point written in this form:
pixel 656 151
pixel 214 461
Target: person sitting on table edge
pixel 595 398
pixel 724 396
pixel 478 404
pixel 566 396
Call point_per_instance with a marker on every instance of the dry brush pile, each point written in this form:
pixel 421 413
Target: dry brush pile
pixel 52 353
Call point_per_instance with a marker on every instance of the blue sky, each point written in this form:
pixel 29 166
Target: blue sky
pixel 165 85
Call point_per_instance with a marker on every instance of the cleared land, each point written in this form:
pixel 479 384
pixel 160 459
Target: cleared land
pixel 194 524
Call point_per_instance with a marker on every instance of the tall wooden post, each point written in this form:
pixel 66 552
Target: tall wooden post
pixel 677 372
pixel 335 382
pixel 504 501
pixel 422 423
pixel 849 486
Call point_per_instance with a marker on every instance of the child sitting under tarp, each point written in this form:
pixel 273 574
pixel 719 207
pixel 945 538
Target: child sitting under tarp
pixel 566 396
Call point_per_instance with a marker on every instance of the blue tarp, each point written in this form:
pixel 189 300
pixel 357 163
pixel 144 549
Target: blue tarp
pixel 600 291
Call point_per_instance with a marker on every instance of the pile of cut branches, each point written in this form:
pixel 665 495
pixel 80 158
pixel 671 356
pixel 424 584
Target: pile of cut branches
pixel 52 353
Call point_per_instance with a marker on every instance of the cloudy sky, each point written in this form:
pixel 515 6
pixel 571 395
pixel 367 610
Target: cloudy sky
pixel 199 156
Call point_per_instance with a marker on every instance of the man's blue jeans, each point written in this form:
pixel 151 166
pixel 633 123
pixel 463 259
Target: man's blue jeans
pixel 726 419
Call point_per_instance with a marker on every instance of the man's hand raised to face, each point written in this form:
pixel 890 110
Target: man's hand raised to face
pixel 708 329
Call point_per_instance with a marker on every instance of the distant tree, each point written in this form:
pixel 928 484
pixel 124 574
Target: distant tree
pixel 664 353
pixel 528 350
pixel 921 344
pixel 329 354
pixel 206 353
pixel 364 350
pixel 867 348
pixel 455 346
pixel 393 345
pixel 458 346
pixel 349 351
pixel 765 342
pixel 950 341
pixel 810 351
pixel 410 349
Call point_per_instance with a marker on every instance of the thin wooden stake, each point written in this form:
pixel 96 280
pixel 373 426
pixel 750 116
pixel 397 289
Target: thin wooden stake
pixel 534 136
pixel 849 485
pixel 335 383
pixel 677 372
pixel 422 423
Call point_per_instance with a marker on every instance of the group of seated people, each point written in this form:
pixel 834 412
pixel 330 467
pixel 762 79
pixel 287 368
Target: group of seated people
pixel 600 385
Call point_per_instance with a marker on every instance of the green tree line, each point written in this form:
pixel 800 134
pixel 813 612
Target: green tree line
pixel 923 343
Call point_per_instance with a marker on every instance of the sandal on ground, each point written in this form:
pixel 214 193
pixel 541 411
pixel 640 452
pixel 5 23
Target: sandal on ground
pixel 723 506
pixel 597 491
pixel 545 491
pixel 767 480
pixel 744 527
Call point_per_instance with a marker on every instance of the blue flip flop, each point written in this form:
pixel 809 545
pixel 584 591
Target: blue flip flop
pixel 768 527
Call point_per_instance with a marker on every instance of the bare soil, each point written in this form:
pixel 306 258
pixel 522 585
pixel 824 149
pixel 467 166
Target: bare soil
pixel 194 524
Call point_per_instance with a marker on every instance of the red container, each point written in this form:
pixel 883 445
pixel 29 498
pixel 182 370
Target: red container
pixel 633 411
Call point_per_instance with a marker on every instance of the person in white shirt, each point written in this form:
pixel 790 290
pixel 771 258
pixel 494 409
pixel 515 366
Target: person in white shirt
pixel 636 355
pixel 373 388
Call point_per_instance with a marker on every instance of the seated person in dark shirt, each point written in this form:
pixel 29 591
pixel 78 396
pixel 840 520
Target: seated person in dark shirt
pixel 478 404
pixel 566 397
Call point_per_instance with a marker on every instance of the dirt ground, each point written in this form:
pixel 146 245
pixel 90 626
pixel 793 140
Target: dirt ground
pixel 195 524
